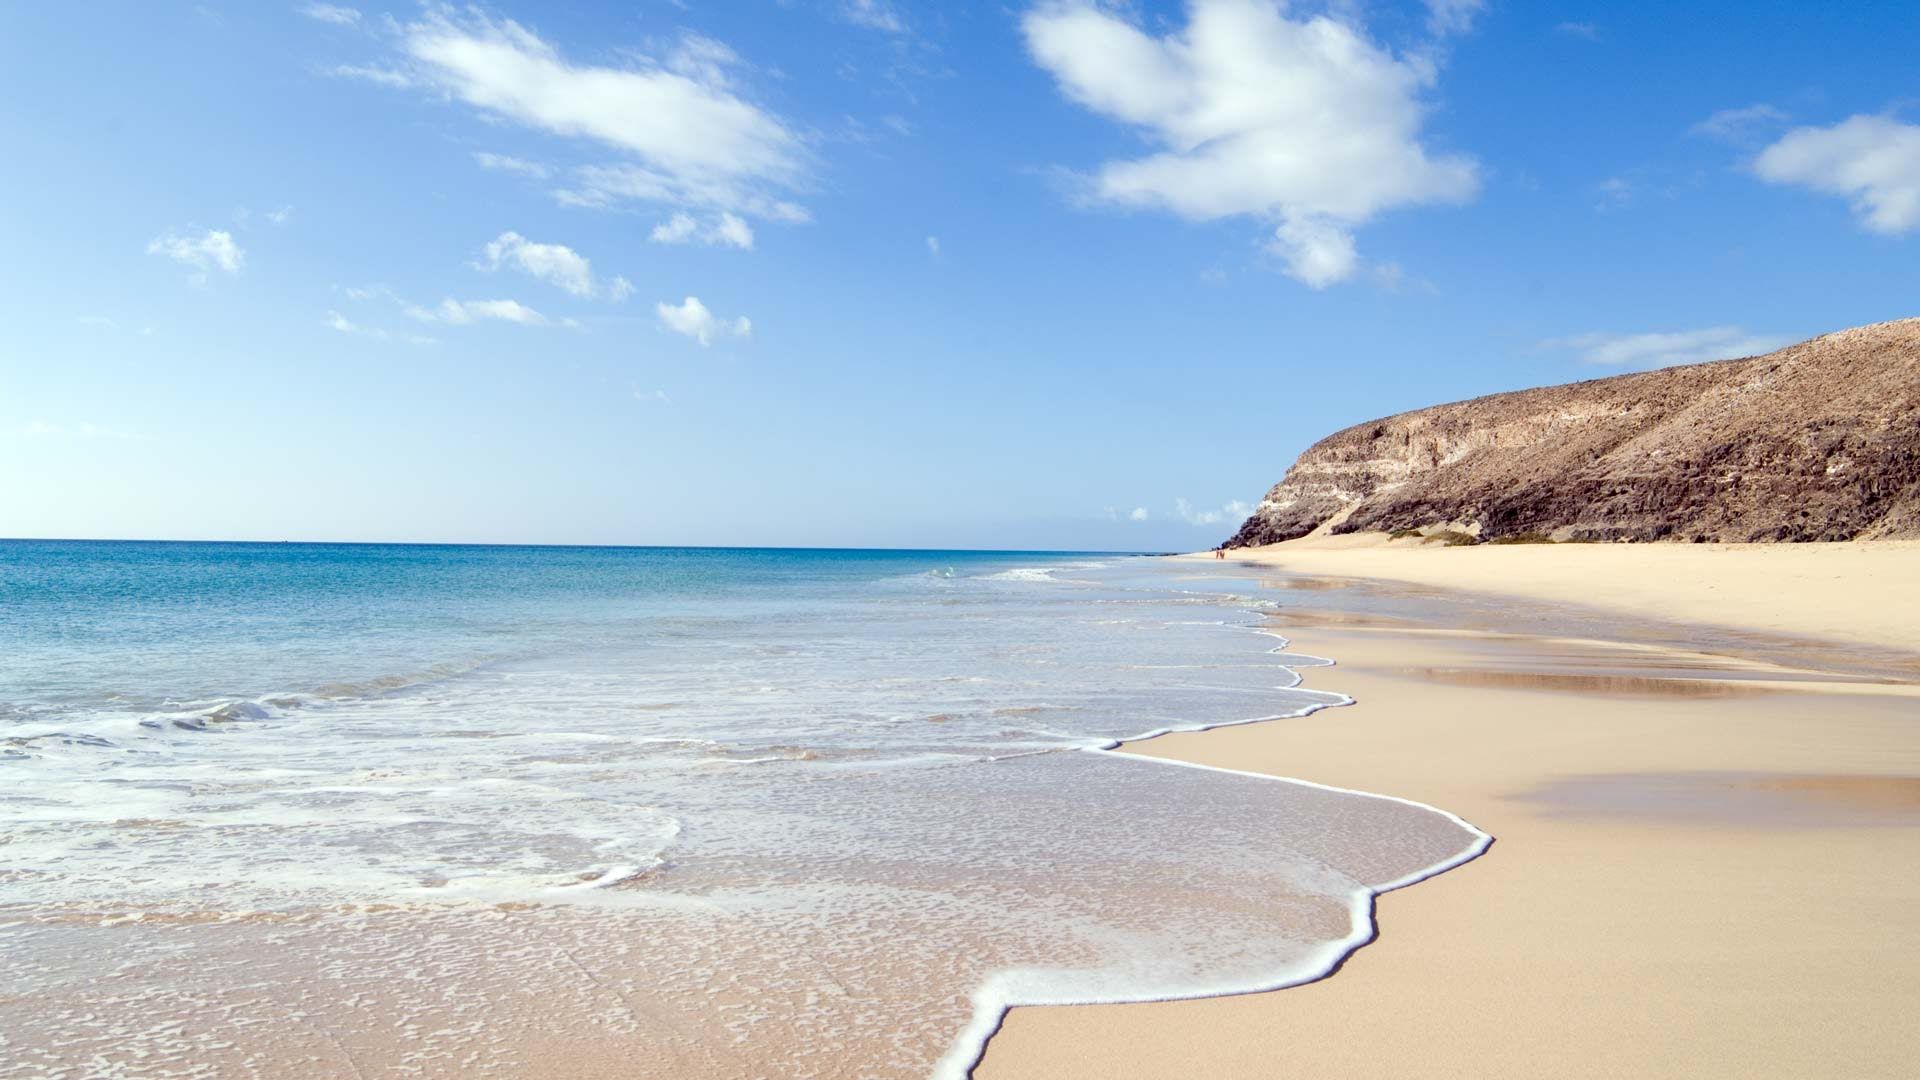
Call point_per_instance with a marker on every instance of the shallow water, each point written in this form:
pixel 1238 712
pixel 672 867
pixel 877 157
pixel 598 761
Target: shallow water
pixel 359 810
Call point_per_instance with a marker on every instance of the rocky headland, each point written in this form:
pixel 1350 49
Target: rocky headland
pixel 1818 441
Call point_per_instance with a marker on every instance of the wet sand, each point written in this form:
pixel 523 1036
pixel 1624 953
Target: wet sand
pixel 1704 858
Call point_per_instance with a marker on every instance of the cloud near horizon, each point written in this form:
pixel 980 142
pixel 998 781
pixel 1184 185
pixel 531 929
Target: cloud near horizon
pixel 1234 510
pixel 1666 349
pixel 1873 161
pixel 1301 123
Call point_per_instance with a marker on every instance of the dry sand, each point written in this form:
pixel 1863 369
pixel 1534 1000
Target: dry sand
pixel 1863 593
pixel 1704 865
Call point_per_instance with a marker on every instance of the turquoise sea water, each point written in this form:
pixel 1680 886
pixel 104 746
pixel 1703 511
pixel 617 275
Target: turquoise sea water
pixel 727 812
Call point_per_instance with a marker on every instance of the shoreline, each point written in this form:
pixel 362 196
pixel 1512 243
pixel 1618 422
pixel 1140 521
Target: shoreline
pixel 991 1009
pixel 1595 790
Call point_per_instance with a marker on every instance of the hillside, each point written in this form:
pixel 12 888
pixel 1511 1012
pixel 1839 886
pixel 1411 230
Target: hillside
pixel 1818 441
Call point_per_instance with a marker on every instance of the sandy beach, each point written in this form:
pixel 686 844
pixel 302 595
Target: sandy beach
pixel 1701 765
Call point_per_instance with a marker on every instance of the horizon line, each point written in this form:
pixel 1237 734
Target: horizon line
pixel 614 547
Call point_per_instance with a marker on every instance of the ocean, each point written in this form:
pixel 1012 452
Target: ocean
pixel 354 810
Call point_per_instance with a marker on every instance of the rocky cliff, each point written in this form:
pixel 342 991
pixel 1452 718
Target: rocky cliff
pixel 1819 441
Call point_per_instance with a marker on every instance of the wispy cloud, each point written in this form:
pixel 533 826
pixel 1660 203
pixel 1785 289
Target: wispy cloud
pixel 1302 123
pixel 507 163
pixel 1584 30
pixel 1733 125
pixel 379 76
pixel 207 250
pixel 462 312
pixel 1664 349
pixel 691 318
pixel 687 134
pixel 331 13
pixel 726 230
pixel 555 264
pixel 1446 17
pixel 344 325
pixel 1234 510
pixel 874 15
pixel 1872 161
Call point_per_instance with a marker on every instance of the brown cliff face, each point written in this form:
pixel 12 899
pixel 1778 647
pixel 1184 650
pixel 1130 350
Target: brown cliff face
pixel 1819 441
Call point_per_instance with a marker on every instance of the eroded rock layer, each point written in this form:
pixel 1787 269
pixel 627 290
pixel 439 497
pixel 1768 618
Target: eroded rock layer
pixel 1818 441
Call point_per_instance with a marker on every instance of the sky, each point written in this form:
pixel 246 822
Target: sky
pixel 1062 274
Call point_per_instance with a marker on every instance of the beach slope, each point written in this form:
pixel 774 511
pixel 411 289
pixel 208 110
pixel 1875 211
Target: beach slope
pixel 1701 766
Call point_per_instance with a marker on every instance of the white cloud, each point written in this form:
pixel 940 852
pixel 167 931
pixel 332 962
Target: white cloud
pixel 692 318
pixel 1587 30
pixel 1874 161
pixel 556 264
pixel 1453 16
pixel 1303 123
pixel 933 246
pixel 1232 511
pixel 619 289
pixel 462 312
pixel 1666 349
pixel 511 164
pixel 733 231
pixel 280 216
pixel 727 230
pixel 1733 124
pixel 1138 513
pixel 213 249
pixel 1318 253
pixel 331 13
pixel 873 14
pixel 695 141
pixel 379 76
pixel 1614 192
pixel 340 322
pixel 677 229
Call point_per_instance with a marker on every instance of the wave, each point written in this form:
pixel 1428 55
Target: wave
pixel 872 787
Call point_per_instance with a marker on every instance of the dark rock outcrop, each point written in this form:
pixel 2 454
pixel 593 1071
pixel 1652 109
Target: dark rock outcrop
pixel 1819 441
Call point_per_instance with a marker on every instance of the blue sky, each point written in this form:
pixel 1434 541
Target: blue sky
pixel 882 273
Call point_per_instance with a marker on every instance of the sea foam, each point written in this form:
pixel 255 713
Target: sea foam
pixel 808 815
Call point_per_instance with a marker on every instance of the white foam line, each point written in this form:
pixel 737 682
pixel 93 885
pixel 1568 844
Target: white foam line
pixel 991 1002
